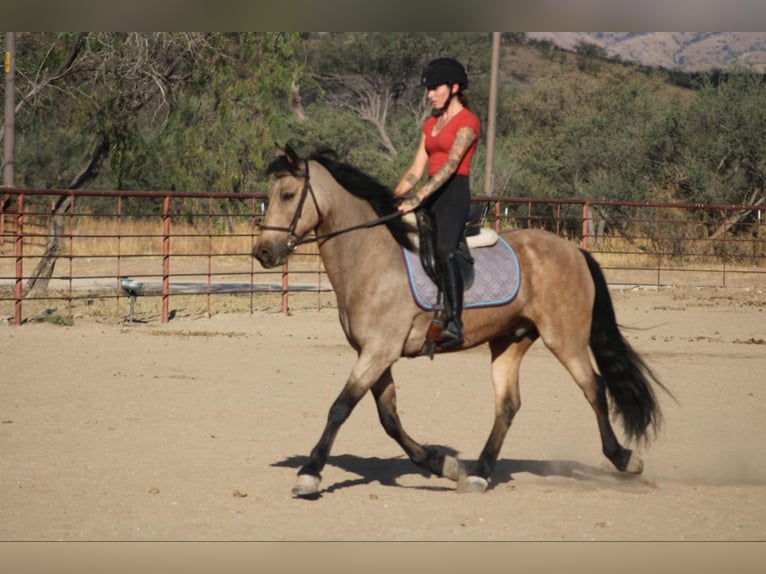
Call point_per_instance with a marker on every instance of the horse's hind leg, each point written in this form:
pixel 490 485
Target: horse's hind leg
pixel 440 464
pixel 506 359
pixel 593 387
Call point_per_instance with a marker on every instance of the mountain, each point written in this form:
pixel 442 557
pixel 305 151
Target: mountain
pixel 687 51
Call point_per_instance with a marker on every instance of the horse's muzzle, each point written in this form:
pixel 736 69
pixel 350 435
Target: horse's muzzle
pixel 270 254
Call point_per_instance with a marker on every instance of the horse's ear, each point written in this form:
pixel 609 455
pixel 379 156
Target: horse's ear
pixel 292 157
pixel 286 160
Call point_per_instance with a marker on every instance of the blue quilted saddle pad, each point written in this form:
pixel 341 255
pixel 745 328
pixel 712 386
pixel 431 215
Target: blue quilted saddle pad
pixel 496 283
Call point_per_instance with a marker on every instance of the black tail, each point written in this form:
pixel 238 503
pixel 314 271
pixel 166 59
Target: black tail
pixel 628 378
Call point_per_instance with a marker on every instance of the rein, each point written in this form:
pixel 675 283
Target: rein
pixel 293 241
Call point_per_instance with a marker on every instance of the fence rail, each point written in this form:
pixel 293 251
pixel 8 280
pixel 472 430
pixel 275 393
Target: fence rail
pixel 81 248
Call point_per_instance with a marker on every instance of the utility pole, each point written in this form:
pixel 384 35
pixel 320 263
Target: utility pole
pixel 9 175
pixel 488 167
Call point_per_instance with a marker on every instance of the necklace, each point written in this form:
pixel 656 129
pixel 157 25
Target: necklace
pixel 444 119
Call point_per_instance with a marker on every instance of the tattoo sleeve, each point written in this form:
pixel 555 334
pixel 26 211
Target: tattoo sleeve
pixel 463 139
pixel 411 179
pixel 407 184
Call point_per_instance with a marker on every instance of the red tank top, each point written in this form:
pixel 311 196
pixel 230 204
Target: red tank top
pixel 438 146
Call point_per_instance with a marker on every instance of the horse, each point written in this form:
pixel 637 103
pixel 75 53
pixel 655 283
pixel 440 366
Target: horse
pixel 562 299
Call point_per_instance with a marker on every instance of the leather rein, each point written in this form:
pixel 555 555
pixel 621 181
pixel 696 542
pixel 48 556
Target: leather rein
pixel 293 241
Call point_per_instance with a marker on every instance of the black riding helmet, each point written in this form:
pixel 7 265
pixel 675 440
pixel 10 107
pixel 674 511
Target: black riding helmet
pixel 444 71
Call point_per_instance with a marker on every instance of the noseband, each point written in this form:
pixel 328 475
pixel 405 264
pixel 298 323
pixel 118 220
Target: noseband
pixel 293 241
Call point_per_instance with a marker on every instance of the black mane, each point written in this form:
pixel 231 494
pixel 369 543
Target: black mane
pixel 361 185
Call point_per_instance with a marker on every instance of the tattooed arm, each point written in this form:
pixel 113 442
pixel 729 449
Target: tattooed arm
pixel 463 140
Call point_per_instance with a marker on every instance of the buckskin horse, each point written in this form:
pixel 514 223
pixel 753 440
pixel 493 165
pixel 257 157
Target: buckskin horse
pixel 561 297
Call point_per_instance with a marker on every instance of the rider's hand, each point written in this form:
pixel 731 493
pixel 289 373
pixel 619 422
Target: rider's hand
pixel 408 204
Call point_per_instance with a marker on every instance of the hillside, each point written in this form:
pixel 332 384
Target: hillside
pixel 688 51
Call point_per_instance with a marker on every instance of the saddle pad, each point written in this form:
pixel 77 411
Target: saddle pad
pixel 496 283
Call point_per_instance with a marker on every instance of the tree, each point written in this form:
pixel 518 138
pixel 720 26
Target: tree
pixel 586 136
pixel 135 101
pixel 589 55
pixel 368 74
pixel 376 76
pixel 726 158
pixel 726 131
pixel 203 111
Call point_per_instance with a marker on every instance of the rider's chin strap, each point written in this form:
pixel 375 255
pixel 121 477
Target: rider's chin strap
pixel 441 111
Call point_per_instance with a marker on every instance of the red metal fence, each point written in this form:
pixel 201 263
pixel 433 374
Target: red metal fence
pixel 117 250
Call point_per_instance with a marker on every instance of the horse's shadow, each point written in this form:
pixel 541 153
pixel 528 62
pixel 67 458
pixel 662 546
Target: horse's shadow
pixel 385 471
pixel 388 471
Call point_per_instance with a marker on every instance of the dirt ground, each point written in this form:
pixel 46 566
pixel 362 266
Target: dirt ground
pixel 194 430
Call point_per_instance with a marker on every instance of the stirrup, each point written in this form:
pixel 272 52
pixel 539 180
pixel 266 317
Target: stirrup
pixel 451 336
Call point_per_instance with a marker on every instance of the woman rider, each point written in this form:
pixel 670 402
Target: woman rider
pixel 447 145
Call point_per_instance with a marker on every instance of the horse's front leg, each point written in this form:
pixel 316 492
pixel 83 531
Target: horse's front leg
pixel 439 464
pixel 366 372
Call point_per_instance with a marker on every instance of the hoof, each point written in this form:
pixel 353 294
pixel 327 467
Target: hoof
pixel 635 464
pixel 307 485
pixel 451 468
pixel 472 484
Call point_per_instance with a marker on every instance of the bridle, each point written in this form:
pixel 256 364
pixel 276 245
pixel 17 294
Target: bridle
pixel 293 241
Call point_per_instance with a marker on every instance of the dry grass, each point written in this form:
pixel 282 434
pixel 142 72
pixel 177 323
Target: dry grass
pixel 646 251
pixel 102 236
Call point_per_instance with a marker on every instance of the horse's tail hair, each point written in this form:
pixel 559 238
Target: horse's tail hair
pixel 627 377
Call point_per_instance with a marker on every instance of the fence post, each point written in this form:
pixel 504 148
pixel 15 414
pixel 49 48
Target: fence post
pixel 285 288
pixel 165 257
pixel 210 215
pixel 251 258
pixel 19 291
pixel 319 282
pixel 657 234
pixel 585 214
pixel 119 254
pixel 724 250
pixel 72 208
pixel 529 214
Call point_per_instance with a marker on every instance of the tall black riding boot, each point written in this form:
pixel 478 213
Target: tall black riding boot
pixel 452 334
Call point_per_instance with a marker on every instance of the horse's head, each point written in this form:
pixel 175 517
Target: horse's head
pixel 296 208
pixel 292 211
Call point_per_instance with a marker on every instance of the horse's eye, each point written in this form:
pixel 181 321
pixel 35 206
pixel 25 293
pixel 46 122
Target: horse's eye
pixel 286 195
